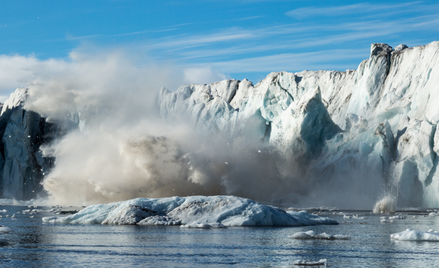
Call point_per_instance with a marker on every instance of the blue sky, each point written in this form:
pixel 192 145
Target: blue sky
pixel 228 38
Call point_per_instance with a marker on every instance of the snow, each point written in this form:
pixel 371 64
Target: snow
pixel 413 235
pixel 193 211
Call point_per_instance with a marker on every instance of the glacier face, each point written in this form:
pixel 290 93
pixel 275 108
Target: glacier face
pixel 346 139
pixel 22 165
pixel 353 136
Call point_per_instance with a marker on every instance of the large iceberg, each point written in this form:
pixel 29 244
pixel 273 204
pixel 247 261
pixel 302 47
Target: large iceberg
pixel 192 211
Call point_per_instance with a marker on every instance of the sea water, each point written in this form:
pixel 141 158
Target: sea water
pixel 32 243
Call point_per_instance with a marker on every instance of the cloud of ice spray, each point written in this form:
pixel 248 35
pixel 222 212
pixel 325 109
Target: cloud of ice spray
pixel 121 149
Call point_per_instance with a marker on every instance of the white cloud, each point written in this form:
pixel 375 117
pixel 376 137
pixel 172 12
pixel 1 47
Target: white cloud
pixel 203 75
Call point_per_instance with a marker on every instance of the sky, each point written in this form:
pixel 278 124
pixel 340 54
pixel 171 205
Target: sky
pixel 205 40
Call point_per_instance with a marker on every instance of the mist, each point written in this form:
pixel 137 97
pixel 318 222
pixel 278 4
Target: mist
pixel 113 145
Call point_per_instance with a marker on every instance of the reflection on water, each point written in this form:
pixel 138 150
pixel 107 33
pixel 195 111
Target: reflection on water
pixel 34 244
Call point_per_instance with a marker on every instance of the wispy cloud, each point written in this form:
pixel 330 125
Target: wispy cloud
pixel 328 59
pixel 71 37
pixel 362 8
pixel 316 41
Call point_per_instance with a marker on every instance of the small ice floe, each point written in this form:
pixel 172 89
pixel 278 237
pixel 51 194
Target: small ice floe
pixel 413 235
pixel 384 220
pixel 4 229
pixel 310 263
pixel 3 211
pixel 433 214
pixel 324 236
pixel 397 217
pixel 356 217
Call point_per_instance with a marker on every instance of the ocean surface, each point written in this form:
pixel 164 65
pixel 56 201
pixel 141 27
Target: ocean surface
pixel 32 243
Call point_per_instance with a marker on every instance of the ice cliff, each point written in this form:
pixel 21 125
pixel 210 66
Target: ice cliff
pixel 362 134
pixel 346 139
pixel 22 132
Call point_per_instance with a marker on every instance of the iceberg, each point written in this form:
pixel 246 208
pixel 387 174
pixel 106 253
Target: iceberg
pixel 413 235
pixel 192 211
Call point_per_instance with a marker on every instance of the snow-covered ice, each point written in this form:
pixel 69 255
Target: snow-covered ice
pixel 192 211
pixel 413 235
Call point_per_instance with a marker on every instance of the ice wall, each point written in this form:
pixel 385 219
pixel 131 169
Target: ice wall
pixel 22 165
pixel 345 139
pixel 353 136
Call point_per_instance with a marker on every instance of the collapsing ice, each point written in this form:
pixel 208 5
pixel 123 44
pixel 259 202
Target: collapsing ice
pixel 344 139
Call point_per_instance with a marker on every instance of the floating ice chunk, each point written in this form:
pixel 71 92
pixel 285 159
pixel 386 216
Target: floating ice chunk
pixel 303 235
pixel 353 217
pixel 413 235
pixel 49 219
pixel 310 263
pixel 433 214
pixel 324 236
pixel 4 229
pixel 397 217
pixel 192 211
pixel 383 220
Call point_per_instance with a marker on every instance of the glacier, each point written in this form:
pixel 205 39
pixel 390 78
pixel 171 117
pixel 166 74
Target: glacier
pixel 192 211
pixel 22 164
pixel 351 139
pixel 370 132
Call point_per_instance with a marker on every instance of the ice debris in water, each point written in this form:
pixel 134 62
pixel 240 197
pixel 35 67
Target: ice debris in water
pixel 310 263
pixel 413 235
pixel 312 235
pixel 191 211
pixel 4 229
pixel 356 217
